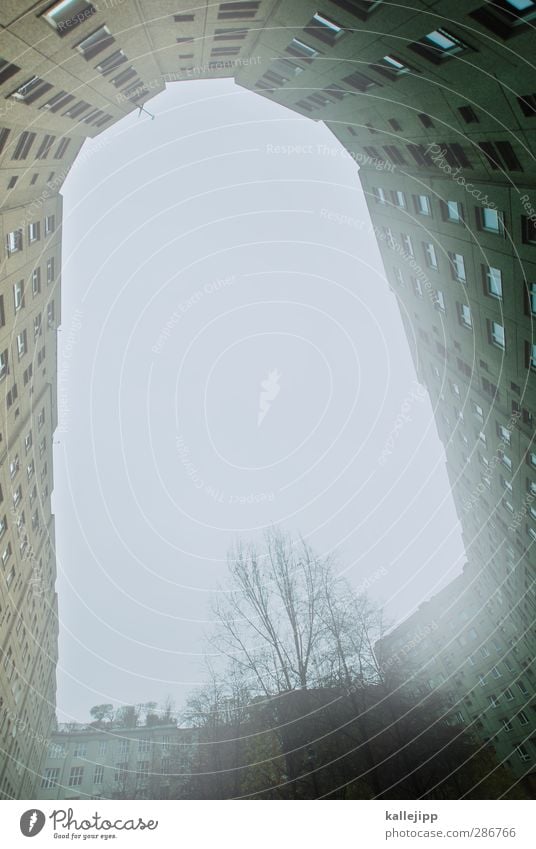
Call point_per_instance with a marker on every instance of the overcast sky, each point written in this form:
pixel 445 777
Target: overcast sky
pixel 230 357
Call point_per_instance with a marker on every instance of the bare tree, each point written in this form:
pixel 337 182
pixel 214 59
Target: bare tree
pixel 287 622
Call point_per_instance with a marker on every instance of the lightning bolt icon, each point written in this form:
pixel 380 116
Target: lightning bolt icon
pixel 32 822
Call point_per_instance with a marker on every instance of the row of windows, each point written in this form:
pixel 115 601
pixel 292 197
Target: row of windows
pixel 14 239
pixel 51 775
pixel 25 143
pixel 487 218
pixel 63 17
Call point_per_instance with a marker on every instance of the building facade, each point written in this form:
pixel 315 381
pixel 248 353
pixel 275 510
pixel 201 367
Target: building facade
pixel 448 172
pixel 88 762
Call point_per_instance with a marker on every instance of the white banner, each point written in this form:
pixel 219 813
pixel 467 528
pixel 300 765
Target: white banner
pixel 269 825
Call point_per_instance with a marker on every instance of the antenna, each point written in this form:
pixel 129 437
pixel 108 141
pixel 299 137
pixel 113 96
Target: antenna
pixel 143 109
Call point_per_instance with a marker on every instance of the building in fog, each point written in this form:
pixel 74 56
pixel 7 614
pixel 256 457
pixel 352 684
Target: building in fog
pixel 87 762
pixel 450 183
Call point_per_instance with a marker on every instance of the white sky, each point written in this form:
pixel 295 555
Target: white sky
pixel 160 462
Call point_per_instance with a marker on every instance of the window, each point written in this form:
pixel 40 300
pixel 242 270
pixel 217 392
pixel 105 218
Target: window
pixel 508 156
pixel 508 695
pixel 408 244
pixel 423 205
pixel 528 230
pixel 50 224
pixel 76 776
pixel 507 484
pixel 238 11
pixel 493 281
pixel 50 777
pixel 301 49
pixel 77 109
pixel 31 90
pixel 94 43
pixel 58 101
pixel 37 325
pixel 6 554
pixel 324 28
pixel 68 14
pixel 359 81
pixel 493 700
pixel 121 770
pixel 23 146
pixel 438 45
pixel 62 147
pixel 7 70
pixel 98 775
pixel 142 772
pixel 394 154
pixel 523 718
pixel 497 335
pixel 468 114
pixel 124 747
pixel 420 155
pixel 14 466
pixel 457 265
pixel 34 232
pixel 531 355
pixel 453 211
pixel 18 295
pixel 22 344
pixel 505 460
pixel 391 67
pixel 507 725
pixel 123 78
pixel 439 301
pixel 4 366
pixel 36 281
pixel 14 242
pixel 399 277
pixel 464 315
pixel 399 199
pixel 505 18
pixel 50 270
pixel 106 66
pixel 425 120
pixel 144 745
pixel 522 752
pixel 360 8
pixel 80 750
pixel 527 104
pixel 387 234
pixel 44 147
pixel 504 434
pixel 379 194
pixel 430 255
pixel 103 745
pixel 56 751
pixel 490 219
pixel 455 155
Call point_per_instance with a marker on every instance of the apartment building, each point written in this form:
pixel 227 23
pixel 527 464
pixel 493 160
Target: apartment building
pixel 85 762
pixel 474 641
pixel 448 172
